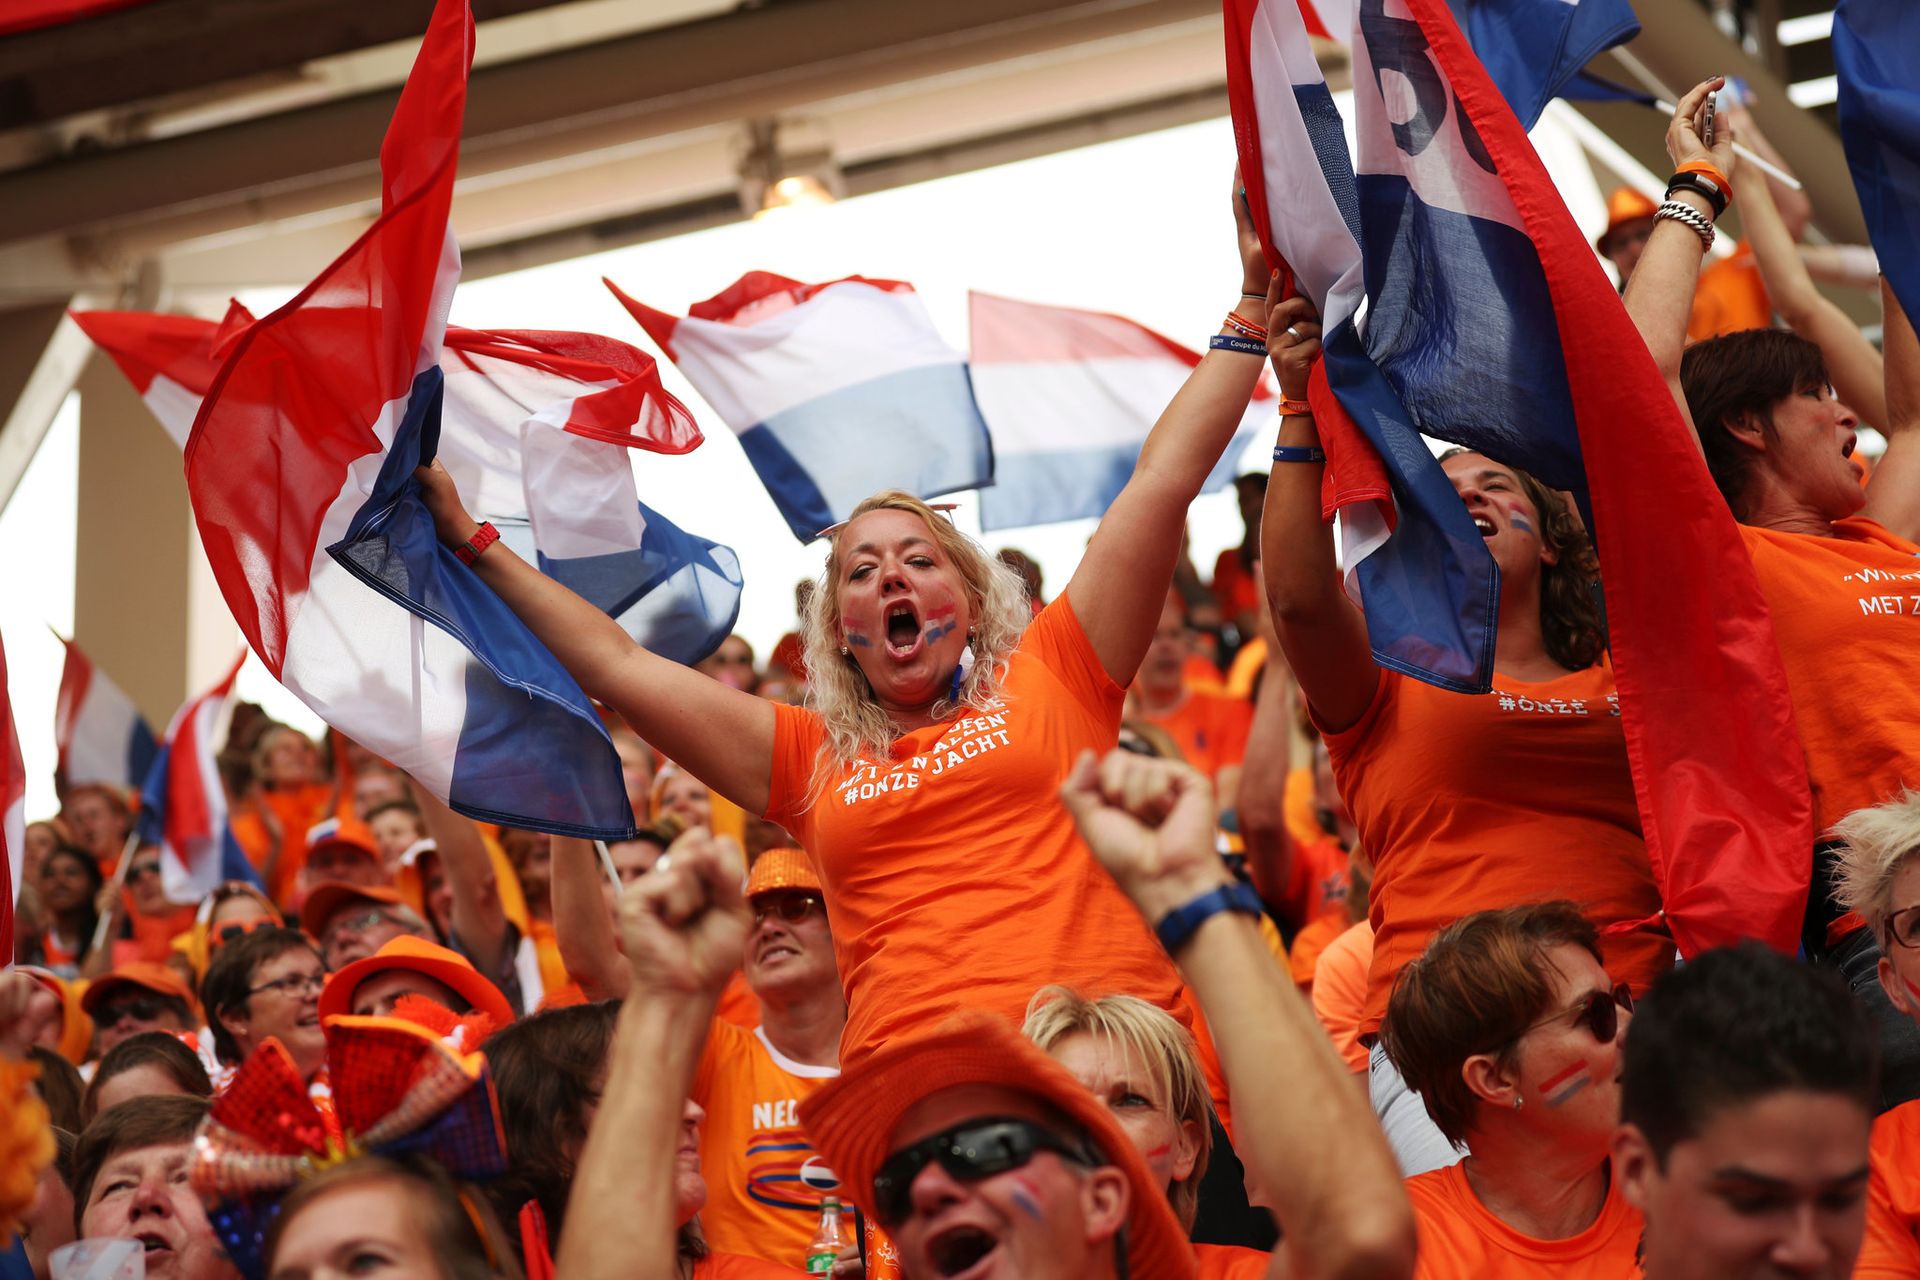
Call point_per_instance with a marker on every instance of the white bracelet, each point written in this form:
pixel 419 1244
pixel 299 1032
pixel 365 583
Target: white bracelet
pixel 1691 218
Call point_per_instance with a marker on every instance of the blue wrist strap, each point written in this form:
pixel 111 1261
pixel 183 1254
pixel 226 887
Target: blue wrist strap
pixel 1233 342
pixel 1298 453
pixel 1179 924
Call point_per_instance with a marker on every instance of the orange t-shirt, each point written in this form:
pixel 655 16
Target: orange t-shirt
pixel 1846 612
pixel 1300 807
pixel 1211 729
pixel 764 1182
pixel 1730 297
pixel 1233 585
pixel 1231 1262
pixel 1468 803
pixel 1340 991
pixel 1318 882
pixel 738 1004
pixel 734 1266
pixel 1460 1237
pixel 1243 673
pixel 953 877
pixel 1312 939
pixel 1892 1244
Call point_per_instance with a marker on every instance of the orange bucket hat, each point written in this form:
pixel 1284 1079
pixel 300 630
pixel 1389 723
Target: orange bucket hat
pixel 418 956
pixel 780 871
pixel 852 1121
pixel 1623 206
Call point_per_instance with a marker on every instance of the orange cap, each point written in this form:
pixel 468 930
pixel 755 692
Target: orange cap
pixel 778 870
pixel 1625 205
pixel 330 895
pixel 343 833
pixel 852 1120
pixel 157 978
pixel 418 956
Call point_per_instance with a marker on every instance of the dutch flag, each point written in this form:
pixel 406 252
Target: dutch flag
pixel 1489 323
pixel 13 817
pixel 183 805
pixel 100 734
pixel 836 390
pixel 1069 397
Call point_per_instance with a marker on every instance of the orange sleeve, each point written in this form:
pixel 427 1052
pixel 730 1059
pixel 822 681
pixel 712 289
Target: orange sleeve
pixel 797 735
pixel 1890 1248
pixel 1058 640
pixel 1235 724
pixel 1340 991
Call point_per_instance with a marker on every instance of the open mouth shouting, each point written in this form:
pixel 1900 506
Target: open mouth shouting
pixel 1485 525
pixel 904 641
pixel 962 1252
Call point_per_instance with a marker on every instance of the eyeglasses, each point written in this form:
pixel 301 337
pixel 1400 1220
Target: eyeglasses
pixel 790 907
pixel 139 1008
pixel 1599 1013
pixel 1903 926
pixel 295 985
pixel 141 870
pixel 358 924
pixel 221 935
pixel 969 1152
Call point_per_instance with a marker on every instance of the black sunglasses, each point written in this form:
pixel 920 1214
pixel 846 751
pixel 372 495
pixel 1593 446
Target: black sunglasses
pixel 1599 1013
pixel 139 1008
pixel 791 907
pixel 968 1152
pixel 136 872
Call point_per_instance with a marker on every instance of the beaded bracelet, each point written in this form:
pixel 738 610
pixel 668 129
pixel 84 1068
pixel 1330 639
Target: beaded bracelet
pixel 1233 342
pixel 1246 328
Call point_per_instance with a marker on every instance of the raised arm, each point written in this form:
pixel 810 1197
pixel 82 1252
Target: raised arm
pixel 1858 373
pixel 1893 495
pixel 581 923
pixel 479 919
pixel 1323 633
pixel 1121 583
pixel 1263 786
pixel 722 736
pixel 1659 295
pixel 684 925
pixel 1150 822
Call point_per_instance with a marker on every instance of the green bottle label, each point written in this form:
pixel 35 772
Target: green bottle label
pixel 820 1264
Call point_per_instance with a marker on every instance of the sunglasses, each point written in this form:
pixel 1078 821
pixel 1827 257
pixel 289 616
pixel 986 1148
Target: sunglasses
pixel 790 907
pixel 234 929
pixel 1599 1013
pixel 969 1152
pixel 139 1008
pixel 141 870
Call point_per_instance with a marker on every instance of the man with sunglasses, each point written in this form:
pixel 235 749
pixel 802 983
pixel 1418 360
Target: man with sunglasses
pixel 267 985
pixel 764 1179
pixel 1745 1110
pixel 1508 1027
pixel 138 996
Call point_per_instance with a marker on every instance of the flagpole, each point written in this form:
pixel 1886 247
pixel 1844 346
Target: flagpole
pixel 103 924
pixel 1663 102
pixel 606 864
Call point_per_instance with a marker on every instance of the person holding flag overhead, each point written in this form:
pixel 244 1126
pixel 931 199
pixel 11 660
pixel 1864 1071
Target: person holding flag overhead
pixel 944 715
pixel 1836 560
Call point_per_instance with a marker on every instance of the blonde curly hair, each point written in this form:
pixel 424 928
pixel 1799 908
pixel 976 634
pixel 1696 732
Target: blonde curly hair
pixel 837 690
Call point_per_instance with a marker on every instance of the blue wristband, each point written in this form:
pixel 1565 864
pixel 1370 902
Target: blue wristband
pixel 1299 453
pixel 1179 924
pixel 1233 342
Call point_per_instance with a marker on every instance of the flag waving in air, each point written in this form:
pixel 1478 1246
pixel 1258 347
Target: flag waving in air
pixel 836 390
pixel 183 806
pixel 1490 324
pixel 1069 397
pixel 1876 50
pixel 100 734
pixel 13 816
pixel 300 469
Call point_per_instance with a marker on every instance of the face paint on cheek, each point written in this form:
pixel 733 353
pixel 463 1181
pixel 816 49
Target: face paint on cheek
pixel 939 623
pixel 1160 1152
pixel 858 639
pixel 1518 519
pixel 1563 1086
pixel 1026 1197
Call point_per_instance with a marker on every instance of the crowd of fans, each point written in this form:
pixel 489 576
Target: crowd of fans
pixel 1148 930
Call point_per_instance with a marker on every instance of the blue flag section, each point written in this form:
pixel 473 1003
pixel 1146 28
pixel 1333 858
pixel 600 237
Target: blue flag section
pixel 1876 50
pixel 1535 49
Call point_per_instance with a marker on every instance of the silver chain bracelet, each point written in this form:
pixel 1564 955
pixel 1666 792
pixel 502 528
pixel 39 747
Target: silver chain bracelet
pixel 1691 218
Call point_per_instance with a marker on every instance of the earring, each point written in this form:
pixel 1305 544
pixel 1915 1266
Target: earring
pixel 844 651
pixel 1518 1103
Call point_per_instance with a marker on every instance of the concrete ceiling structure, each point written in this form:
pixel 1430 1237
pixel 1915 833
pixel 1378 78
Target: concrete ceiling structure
pixel 170 154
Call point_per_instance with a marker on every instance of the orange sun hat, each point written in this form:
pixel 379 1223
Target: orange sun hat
pixel 852 1121
pixel 1625 205
pixel 780 871
pixel 418 956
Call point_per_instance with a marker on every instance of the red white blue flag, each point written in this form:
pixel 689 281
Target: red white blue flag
pixel 1069 397
pixel 1489 323
pixel 835 390
pixel 183 806
pixel 100 734
pixel 300 468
